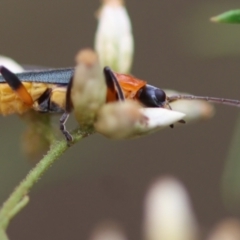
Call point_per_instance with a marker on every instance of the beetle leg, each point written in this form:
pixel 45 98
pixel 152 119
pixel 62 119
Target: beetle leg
pixel 65 116
pixel 182 121
pixel 63 128
pixel 16 85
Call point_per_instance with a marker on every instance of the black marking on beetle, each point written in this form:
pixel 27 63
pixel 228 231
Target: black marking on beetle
pixel 69 104
pixel 9 77
pixel 113 83
pixel 44 101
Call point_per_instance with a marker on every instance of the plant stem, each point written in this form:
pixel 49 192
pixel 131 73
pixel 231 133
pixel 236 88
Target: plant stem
pixel 3 235
pixel 18 199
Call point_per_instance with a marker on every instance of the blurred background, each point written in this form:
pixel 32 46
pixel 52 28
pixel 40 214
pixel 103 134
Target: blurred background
pixel 176 47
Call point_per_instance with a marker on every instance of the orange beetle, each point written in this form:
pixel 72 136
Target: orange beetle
pixel 49 91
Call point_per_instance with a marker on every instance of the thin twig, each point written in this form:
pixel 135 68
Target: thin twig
pixel 17 199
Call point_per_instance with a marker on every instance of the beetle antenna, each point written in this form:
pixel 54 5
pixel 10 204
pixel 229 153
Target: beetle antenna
pixel 225 101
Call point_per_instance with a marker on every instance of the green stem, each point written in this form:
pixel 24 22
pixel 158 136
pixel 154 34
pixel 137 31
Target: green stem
pixel 3 235
pixel 17 199
pixel 18 208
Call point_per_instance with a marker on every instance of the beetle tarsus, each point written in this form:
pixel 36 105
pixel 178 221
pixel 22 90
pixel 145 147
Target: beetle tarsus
pixel 63 128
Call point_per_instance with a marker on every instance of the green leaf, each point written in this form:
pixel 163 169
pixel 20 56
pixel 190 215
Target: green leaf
pixel 232 16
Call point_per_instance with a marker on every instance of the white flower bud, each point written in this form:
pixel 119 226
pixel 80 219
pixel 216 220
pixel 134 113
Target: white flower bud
pixel 108 230
pixel 228 229
pixel 168 213
pixel 114 40
pixel 89 89
pixel 10 64
pixel 194 109
pixel 120 120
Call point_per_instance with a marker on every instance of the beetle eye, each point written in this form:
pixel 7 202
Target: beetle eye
pixel 160 96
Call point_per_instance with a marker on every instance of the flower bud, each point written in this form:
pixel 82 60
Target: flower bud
pixel 89 89
pixel 38 135
pixel 195 110
pixel 108 230
pixel 120 120
pixel 228 229
pixel 114 40
pixel 168 213
pixel 10 64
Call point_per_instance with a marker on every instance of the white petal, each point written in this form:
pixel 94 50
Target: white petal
pixel 114 40
pixel 120 120
pixel 10 64
pixel 108 230
pixel 160 118
pixel 168 213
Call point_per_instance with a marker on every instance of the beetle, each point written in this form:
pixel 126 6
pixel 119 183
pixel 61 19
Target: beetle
pixel 45 91
pixel 48 91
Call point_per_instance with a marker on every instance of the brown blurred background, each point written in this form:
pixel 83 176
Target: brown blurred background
pixel 175 47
